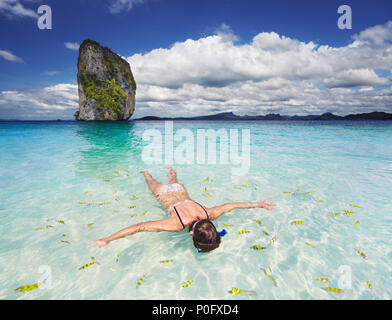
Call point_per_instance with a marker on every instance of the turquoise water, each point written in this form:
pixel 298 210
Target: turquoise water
pixel 88 173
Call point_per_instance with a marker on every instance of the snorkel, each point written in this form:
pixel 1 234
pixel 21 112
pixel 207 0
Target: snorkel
pixel 222 233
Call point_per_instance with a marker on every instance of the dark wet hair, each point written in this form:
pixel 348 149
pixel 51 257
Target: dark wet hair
pixel 205 236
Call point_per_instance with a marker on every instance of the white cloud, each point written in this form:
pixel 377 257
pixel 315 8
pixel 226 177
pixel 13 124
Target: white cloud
pixel 376 35
pixel 14 8
pixel 255 98
pixel 218 61
pixel 59 101
pixel 225 32
pixel 355 78
pixel 72 45
pixel 118 6
pixel 270 74
pixel 9 56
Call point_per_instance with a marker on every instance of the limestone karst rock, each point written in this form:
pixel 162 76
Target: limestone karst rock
pixel 106 85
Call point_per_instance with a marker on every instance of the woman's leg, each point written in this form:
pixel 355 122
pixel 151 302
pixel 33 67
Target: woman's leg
pixel 172 175
pixel 154 185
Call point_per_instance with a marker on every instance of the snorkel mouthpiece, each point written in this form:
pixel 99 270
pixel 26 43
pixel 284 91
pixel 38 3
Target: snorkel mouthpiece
pixel 222 233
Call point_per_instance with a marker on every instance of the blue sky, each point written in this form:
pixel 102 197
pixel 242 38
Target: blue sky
pixel 37 63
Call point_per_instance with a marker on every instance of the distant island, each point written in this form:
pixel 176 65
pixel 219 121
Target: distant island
pixel 230 116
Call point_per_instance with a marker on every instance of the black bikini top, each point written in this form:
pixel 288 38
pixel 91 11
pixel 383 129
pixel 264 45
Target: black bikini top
pixel 178 215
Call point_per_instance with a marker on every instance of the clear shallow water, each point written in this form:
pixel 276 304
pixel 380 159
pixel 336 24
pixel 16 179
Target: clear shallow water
pixel 46 169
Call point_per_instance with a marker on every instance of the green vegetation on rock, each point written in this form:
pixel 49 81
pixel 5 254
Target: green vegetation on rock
pixel 109 97
pixel 105 80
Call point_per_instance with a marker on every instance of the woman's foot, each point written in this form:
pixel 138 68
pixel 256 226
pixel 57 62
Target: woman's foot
pixel 172 175
pixel 146 174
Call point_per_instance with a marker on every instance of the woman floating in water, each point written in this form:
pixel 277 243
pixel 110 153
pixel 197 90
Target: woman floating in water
pixel 184 212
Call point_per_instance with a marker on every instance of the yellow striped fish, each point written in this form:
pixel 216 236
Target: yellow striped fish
pixel 187 283
pixel 356 224
pixel 348 212
pixel 167 261
pixel 29 287
pixel 265 232
pixel 322 279
pixel 270 276
pixel 227 225
pixel 243 231
pixel 297 222
pixel 361 253
pixel 88 264
pixel 354 205
pixel 335 214
pixel 141 280
pixel 308 244
pixel 118 256
pixel 235 291
pixel 258 247
pixel 61 221
pixel 257 221
pixel 273 240
pixel 369 284
pixel 329 289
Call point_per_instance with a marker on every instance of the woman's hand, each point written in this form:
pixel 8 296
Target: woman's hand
pixel 269 205
pixel 99 242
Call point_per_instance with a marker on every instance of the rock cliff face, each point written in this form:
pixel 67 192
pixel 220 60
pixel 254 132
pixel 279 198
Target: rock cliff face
pixel 106 85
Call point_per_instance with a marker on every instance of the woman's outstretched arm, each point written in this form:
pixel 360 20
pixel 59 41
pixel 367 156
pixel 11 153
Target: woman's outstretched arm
pixel 217 211
pixel 150 226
